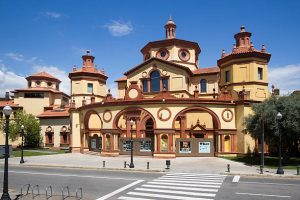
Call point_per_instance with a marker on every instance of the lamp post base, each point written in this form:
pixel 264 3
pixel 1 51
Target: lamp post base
pixel 5 196
pixel 280 170
pixel 131 165
pixel 22 161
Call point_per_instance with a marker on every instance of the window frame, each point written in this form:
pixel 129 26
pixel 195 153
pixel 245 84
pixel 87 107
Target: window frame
pixel 202 82
pixel 88 88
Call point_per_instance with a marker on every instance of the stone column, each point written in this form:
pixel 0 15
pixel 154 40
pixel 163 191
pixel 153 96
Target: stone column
pixel 158 142
pixel 138 127
pixel 182 126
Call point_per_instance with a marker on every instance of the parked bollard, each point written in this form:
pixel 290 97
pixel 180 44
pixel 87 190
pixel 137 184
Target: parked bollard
pixel 103 163
pixel 298 170
pixel 148 165
pixel 228 167
pixel 125 164
pixel 261 169
pixel 168 163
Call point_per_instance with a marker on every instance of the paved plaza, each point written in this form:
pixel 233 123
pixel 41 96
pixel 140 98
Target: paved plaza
pixel 180 164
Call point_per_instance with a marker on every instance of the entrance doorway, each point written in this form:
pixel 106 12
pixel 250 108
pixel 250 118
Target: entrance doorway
pixel 150 132
pixel 95 143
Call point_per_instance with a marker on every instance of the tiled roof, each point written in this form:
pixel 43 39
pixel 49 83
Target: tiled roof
pixel 9 102
pixel 41 75
pixel 40 89
pixel 87 71
pixel 124 78
pixel 209 70
pixel 55 112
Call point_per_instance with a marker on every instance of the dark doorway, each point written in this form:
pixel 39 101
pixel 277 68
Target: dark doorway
pixel 95 143
pixel 150 132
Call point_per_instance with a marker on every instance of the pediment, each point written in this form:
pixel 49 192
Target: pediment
pixel 152 62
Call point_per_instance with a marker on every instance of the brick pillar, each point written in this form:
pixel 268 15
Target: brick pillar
pixel 158 142
pixel 112 142
pixel 222 142
pixel 170 135
pixel 182 126
pixel 104 141
pixel 138 127
pixel 128 128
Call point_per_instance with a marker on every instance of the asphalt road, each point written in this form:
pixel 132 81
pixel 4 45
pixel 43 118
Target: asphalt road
pixel 103 184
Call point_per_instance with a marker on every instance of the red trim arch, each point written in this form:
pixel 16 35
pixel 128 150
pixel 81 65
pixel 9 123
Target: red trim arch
pixel 128 109
pixel 216 120
pixel 87 117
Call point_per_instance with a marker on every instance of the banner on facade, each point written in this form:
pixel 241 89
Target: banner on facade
pixel 204 147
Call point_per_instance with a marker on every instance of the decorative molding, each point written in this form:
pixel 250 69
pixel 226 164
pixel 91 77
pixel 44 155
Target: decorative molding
pixel 160 114
pixel 229 118
pixel 105 113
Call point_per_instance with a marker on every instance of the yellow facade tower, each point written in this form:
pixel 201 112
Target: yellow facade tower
pixel 88 84
pixel 245 68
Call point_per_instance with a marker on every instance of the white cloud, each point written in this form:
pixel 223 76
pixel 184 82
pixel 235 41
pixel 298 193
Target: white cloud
pixel 286 78
pixel 117 28
pixel 53 15
pixel 10 81
pixel 15 56
pixel 58 73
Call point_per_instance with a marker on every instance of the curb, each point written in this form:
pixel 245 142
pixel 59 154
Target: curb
pixel 263 175
pixel 91 168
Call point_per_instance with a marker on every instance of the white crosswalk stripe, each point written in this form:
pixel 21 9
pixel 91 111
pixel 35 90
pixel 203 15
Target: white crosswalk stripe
pixel 188 186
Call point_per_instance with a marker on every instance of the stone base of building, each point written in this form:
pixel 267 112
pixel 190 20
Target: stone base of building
pixel 110 153
pixel 75 149
pixel 164 155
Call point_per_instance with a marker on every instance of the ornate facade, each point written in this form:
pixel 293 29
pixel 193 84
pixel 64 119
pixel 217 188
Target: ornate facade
pixel 178 108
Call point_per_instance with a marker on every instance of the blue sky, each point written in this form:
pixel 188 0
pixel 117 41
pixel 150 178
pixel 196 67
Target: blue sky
pixel 52 35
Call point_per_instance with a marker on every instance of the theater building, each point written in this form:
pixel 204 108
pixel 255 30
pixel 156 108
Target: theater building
pixel 177 107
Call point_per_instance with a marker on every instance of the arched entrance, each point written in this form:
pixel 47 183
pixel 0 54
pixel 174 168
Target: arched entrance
pixel 142 131
pixel 91 137
pixel 197 129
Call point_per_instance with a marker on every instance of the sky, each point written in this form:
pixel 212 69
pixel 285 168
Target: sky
pixel 52 35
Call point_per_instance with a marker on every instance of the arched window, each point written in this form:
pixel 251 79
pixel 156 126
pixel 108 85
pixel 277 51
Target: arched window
pixel 155 81
pixel 203 85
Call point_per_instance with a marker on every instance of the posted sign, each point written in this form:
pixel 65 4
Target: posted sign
pixel 204 147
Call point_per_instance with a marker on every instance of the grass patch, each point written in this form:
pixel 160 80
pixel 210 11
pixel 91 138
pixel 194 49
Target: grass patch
pixel 36 152
pixel 270 162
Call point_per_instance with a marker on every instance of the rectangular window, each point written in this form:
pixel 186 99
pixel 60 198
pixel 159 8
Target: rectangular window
pixel 34 95
pixel 90 87
pixel 227 76
pixel 165 84
pixel 145 85
pixel 260 73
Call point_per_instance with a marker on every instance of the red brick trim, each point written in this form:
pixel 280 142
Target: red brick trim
pixel 216 120
pixel 227 120
pixel 188 55
pixel 164 119
pixel 161 50
pixel 110 115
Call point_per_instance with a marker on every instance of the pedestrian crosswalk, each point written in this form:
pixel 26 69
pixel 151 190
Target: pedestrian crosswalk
pixel 186 186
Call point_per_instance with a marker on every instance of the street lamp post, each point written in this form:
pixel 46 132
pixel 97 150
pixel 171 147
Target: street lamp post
pixel 280 169
pixel 131 165
pixel 22 145
pixel 7 110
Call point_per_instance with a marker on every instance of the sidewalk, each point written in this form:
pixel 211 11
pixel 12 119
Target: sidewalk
pixel 203 165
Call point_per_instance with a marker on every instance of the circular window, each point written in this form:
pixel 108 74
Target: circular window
pixel 38 82
pixel 163 54
pixel 49 84
pixel 184 54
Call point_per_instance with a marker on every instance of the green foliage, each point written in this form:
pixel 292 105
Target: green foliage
pixel 32 136
pixel 288 126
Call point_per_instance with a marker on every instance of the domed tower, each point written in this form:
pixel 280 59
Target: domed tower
pixel 174 50
pixel 88 84
pixel 170 29
pixel 245 68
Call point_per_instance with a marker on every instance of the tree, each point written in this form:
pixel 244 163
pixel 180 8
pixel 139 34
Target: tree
pixel 289 125
pixel 32 136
